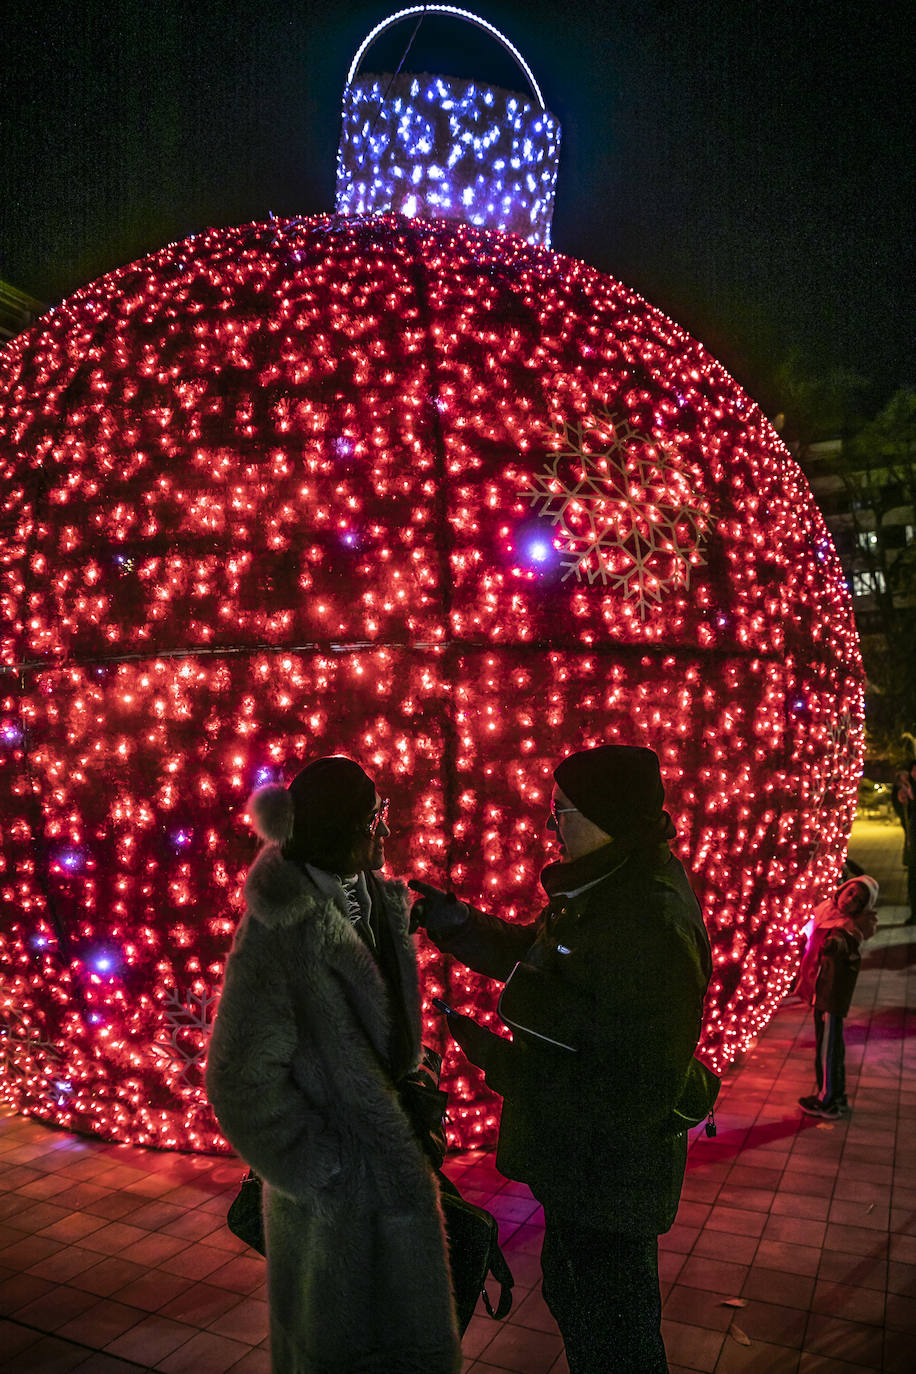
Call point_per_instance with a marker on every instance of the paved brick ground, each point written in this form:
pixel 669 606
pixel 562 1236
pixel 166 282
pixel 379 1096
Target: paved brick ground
pixel 794 1250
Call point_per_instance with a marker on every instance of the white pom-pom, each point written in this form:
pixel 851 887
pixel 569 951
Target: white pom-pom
pixel 271 812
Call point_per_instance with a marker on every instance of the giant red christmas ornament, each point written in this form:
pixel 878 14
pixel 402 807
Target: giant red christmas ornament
pixel 421 492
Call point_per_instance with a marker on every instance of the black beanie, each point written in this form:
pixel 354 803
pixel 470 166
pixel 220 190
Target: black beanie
pixel 617 786
pixel 331 797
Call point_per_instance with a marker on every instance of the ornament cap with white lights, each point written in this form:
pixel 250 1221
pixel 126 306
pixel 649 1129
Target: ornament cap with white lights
pixel 437 147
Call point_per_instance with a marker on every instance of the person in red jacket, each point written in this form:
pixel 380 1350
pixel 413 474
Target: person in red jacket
pixel 827 980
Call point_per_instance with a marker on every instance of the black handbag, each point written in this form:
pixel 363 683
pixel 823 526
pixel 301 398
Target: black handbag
pixel 245 1217
pixel 473 1245
pixel 473 1255
pixel 472 1232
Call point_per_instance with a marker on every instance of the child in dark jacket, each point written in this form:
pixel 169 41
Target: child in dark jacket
pixel 827 980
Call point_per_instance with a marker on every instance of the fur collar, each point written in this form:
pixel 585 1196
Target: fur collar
pixel 278 893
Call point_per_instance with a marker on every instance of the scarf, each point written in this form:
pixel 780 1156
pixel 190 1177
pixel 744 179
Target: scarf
pixel 568 877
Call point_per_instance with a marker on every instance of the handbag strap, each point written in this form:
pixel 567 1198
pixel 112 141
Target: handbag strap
pixel 496 1260
pixel 503 1276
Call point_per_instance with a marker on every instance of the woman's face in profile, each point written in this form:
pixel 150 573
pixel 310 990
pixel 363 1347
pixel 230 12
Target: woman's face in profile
pixel 369 846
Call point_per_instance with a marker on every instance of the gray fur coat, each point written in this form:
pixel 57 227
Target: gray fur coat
pixel 357 1272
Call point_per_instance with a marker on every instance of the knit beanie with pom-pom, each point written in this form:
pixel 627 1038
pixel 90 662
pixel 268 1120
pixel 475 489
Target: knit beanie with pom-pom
pixel 315 820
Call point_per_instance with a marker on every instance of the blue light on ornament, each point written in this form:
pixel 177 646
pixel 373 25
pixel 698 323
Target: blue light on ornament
pixel 103 961
pixel 71 860
pixel 533 550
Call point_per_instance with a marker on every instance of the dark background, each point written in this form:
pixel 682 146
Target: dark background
pixel 745 166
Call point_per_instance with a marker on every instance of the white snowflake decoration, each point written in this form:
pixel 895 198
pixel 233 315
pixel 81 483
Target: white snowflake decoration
pixel 23 1052
pixel 841 731
pixel 189 1022
pixel 623 508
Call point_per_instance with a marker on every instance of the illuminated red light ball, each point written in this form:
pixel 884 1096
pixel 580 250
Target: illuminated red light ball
pixel 418 493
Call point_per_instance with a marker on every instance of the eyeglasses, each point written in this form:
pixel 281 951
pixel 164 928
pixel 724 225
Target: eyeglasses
pixel 380 818
pixel 556 812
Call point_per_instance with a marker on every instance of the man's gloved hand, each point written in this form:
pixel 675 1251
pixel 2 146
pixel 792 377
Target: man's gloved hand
pixel 474 1039
pixel 440 913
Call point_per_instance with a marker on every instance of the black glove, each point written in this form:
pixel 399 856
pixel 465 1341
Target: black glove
pixel 474 1039
pixel 440 913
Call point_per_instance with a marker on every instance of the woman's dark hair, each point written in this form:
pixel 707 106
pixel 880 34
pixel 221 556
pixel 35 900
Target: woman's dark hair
pixel 332 852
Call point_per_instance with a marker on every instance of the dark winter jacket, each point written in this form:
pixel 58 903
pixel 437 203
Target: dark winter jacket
pixel 300 1077
pixel 605 1008
pixel 834 957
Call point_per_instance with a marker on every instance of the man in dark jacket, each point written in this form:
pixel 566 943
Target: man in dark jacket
pixel 604 997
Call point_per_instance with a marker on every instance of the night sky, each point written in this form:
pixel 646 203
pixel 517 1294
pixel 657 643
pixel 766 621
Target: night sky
pixel 746 166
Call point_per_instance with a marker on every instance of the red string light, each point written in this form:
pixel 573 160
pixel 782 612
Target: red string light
pixel 418 493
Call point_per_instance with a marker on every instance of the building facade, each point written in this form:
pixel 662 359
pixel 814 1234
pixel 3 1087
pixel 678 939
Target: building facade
pixel 869 510
pixel 17 311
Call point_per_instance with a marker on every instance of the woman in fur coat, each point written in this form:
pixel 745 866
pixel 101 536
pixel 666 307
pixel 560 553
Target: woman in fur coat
pixel 319 1019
